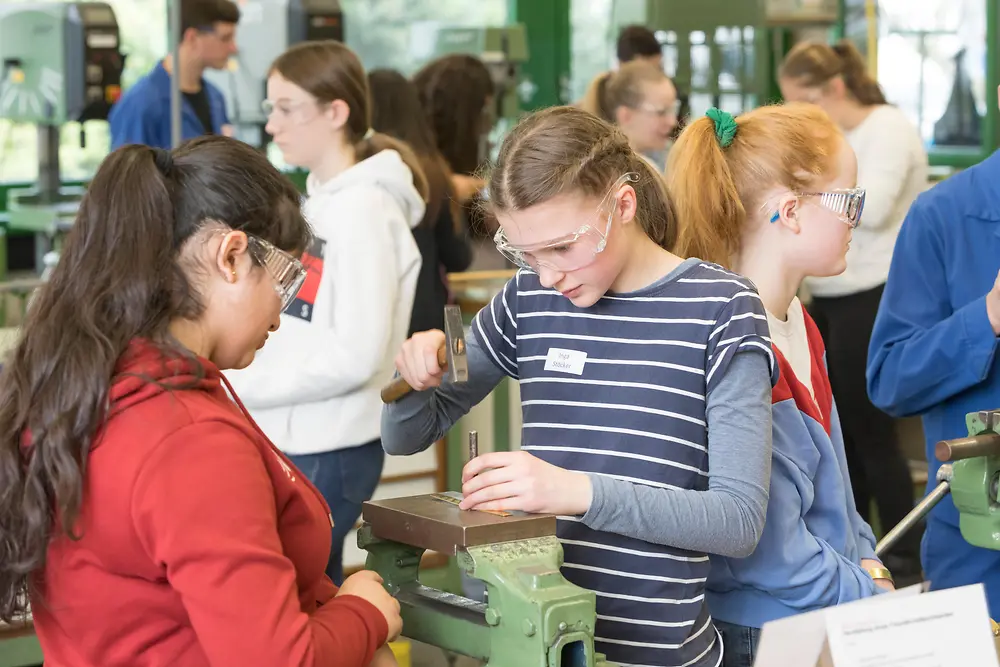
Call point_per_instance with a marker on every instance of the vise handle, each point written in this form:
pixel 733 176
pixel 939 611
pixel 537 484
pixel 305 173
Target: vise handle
pixel 984 444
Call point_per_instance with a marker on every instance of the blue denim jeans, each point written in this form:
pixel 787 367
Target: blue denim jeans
pixel 346 478
pixel 739 643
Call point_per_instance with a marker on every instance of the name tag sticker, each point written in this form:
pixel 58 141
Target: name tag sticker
pixel 565 361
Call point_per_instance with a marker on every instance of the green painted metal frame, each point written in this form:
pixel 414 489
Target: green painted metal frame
pixel 548 26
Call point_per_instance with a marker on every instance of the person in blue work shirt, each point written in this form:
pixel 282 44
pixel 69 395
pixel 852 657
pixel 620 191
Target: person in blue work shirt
pixel 933 348
pixel 208 39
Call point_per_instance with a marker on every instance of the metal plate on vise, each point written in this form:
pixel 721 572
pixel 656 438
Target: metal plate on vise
pixel 430 523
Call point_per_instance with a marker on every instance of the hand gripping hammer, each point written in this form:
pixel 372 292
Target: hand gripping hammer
pixel 452 357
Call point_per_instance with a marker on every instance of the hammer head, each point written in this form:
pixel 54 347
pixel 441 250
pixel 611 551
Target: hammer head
pixel 454 331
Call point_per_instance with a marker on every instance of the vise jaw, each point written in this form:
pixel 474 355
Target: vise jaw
pixel 533 617
pixel 975 483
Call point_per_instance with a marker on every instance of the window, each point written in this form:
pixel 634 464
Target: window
pixel 932 64
pixel 399 34
pixel 384 33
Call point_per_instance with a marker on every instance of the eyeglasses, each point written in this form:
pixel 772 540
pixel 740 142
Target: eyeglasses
pixel 573 251
pixel 847 203
pixel 285 109
pixel 287 273
pixel 661 112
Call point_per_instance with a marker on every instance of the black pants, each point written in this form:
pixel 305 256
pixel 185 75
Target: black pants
pixel 874 460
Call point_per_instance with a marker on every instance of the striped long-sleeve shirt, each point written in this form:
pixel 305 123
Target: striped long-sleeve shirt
pixel 618 390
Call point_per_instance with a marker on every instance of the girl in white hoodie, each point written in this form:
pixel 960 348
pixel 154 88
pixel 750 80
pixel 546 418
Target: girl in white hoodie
pixel 315 388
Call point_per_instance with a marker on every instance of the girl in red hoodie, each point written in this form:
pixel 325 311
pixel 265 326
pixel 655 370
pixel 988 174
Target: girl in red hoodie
pixel 143 513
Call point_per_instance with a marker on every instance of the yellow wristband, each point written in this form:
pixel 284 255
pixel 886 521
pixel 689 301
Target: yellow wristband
pixel 880 573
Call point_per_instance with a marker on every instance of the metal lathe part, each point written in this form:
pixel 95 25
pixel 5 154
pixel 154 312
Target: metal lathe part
pixel 917 513
pixel 985 444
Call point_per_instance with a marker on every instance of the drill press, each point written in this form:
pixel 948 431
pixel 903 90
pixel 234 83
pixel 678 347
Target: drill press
pixel 61 63
pixel 533 617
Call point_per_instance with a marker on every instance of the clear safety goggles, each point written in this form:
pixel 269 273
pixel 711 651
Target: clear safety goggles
pixel 847 203
pixel 287 273
pixel 573 251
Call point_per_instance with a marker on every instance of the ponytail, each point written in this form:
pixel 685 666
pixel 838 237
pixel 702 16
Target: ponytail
pixel 708 204
pixel 376 142
pixel 658 213
pixel 54 388
pixel 863 87
pixel 721 168
pixel 595 99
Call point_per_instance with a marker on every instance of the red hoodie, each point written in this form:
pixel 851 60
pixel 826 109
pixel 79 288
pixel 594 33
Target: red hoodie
pixel 201 543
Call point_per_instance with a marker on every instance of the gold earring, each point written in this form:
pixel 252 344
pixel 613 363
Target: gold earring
pixel 234 274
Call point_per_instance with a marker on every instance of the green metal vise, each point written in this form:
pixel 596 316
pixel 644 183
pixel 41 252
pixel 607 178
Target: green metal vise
pixel 975 482
pixel 533 617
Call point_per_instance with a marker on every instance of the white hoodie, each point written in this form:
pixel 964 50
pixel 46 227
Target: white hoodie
pixel 314 387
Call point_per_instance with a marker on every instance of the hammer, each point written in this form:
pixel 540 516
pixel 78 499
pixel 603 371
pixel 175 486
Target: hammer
pixel 451 356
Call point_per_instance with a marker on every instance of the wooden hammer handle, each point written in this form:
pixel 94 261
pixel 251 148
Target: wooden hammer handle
pixel 399 388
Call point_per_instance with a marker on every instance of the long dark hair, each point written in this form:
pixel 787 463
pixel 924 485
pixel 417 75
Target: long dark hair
pixel 119 278
pixel 330 71
pixel 454 91
pixel 397 112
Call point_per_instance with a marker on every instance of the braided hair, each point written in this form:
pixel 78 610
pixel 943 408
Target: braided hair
pixel 568 150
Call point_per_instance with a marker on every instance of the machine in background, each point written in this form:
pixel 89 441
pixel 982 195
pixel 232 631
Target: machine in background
pixel 724 54
pixel 267 29
pixel 61 63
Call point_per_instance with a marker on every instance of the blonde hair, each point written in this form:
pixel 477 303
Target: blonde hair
pixel 593 98
pixel 564 150
pixel 625 87
pixel 611 90
pixel 814 64
pixel 716 189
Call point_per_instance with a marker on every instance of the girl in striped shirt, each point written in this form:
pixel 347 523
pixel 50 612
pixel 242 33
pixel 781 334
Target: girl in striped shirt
pixel 645 383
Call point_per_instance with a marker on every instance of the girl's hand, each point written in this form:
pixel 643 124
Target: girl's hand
pixel 368 586
pixel 884 584
pixel 520 481
pixel 417 361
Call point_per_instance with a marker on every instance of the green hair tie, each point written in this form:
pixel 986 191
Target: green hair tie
pixel 725 126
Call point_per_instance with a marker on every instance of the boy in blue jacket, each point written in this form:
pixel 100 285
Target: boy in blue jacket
pixel 142 115
pixel 933 349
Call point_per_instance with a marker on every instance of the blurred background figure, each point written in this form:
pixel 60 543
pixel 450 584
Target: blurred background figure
pixel 441 235
pixel 892 167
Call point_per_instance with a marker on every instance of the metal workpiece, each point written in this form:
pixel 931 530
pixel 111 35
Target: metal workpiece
pixel 985 444
pixel 473 444
pixel 430 523
pixel 972 477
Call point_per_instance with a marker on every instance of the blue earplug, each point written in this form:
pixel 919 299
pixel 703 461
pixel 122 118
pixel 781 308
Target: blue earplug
pixel 774 218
